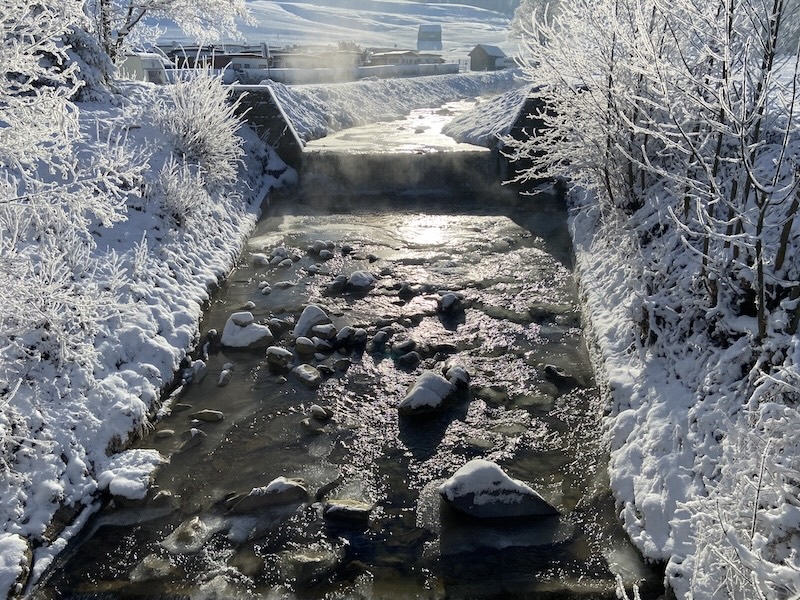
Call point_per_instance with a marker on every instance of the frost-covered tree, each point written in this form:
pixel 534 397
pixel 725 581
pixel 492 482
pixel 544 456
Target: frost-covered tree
pixel 52 186
pixel 118 24
pixel 681 118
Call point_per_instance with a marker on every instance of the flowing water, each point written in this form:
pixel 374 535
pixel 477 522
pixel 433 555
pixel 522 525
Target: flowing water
pixel 531 406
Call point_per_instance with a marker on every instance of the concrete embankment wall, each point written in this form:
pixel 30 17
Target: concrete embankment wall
pixel 333 173
pixel 305 76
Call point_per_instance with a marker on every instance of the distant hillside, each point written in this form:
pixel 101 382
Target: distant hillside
pixel 506 7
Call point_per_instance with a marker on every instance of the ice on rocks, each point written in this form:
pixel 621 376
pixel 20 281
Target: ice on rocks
pixel 482 489
pixel 190 536
pixel 241 331
pixel 428 393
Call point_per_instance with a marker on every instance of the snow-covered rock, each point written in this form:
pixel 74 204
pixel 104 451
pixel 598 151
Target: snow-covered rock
pixel 308 374
pixel 15 558
pixel 311 316
pixel 456 375
pixel 128 474
pixel 278 356
pixel 360 281
pixel 241 331
pixel 281 490
pixel 428 393
pixel 482 489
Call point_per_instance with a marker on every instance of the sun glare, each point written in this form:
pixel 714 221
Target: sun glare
pixel 425 230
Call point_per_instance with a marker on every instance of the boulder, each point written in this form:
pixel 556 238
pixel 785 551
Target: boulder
pixel 326 332
pixel 428 393
pixel 224 377
pixel 482 489
pixel 208 415
pixel 308 374
pixel 344 336
pixel 409 360
pixel 311 316
pixel 281 490
pixel 347 510
pixel 360 281
pixel 305 346
pixel 241 331
pixel 190 536
pixel 320 412
pixel 337 284
pixel 280 357
pixel 450 303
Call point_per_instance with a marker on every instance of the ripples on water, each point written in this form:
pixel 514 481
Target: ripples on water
pixel 512 264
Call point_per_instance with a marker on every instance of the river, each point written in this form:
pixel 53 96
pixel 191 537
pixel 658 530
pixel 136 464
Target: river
pixel 531 406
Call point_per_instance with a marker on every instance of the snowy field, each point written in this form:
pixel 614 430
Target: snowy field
pixel 369 23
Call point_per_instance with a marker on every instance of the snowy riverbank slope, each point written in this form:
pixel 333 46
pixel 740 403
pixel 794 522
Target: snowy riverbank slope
pixel 704 466
pixel 62 420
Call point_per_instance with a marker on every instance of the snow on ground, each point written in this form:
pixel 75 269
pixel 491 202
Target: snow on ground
pixel 369 23
pixel 319 110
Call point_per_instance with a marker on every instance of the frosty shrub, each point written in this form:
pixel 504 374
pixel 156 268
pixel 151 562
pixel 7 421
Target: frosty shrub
pixel 180 190
pixel 202 125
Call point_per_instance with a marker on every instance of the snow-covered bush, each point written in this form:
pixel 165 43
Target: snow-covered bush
pixel 202 124
pixel 180 190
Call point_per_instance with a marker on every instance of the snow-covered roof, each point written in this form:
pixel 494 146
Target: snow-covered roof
pixel 490 50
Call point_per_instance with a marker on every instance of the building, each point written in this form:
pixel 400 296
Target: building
pixel 144 66
pixel 484 57
pixel 429 37
pixel 403 57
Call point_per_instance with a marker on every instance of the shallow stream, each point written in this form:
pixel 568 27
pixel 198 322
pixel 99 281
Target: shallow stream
pixel 531 406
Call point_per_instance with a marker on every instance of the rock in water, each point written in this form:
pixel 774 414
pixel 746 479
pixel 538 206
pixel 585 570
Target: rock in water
pixel 344 509
pixel 190 536
pixel 312 315
pixel 360 281
pixel 281 490
pixel 308 374
pixel 426 395
pixel 482 489
pixel 242 332
pixel 305 346
pixel 278 356
pixel 208 415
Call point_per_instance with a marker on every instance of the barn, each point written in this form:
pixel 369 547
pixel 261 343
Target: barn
pixel 484 57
